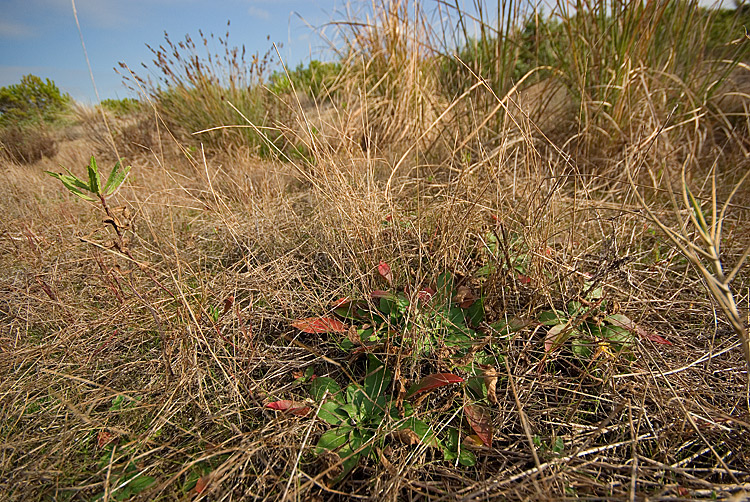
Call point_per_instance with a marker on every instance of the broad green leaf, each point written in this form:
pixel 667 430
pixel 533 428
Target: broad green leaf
pixel 475 314
pixel 558 335
pixel 333 439
pixel 581 348
pixel 140 483
pixel 319 386
pixel 551 318
pixel 574 308
pixel 332 413
pixel 453 451
pixel 354 394
pixel 73 184
pixel 349 459
pixel 94 179
pixel 422 430
pixel 116 177
pixel 617 334
pixel 378 377
pixel 467 458
pixel 352 411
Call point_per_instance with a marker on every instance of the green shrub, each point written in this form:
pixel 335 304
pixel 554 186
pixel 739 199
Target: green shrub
pixel 315 80
pixel 32 100
pixel 195 89
pixel 121 107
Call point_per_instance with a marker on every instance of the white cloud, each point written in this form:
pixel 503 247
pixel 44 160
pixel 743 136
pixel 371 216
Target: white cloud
pixel 259 13
pixel 9 29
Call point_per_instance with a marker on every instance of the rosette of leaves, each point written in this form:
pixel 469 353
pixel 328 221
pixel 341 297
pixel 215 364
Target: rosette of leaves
pixel 445 316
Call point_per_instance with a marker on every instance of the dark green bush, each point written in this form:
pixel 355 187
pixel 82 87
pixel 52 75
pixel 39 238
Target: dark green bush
pixel 121 107
pixel 315 80
pixel 32 100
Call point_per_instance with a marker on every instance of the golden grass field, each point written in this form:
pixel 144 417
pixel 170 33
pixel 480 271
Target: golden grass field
pixel 140 349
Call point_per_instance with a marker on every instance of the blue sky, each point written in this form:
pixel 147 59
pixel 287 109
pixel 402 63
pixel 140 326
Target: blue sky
pixel 40 36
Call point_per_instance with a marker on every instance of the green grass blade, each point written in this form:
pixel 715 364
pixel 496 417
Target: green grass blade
pixel 73 184
pixel 116 177
pixel 94 179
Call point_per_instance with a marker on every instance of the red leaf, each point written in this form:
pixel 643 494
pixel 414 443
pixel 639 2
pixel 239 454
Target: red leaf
pixel 524 279
pixel 480 421
pixel 425 294
pixel 379 293
pixel 385 271
pixel 201 484
pixel 341 302
pixel 320 325
pixel 654 337
pixel 288 406
pixel 625 322
pixel 431 382
pixel 103 438
pixel 228 301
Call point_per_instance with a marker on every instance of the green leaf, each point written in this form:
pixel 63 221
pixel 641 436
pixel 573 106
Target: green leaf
pixel 697 210
pixel 422 430
pixel 352 411
pixel 73 184
pixel 331 413
pixel 140 483
pixel 378 377
pixel 319 386
pixel 453 451
pixel 333 439
pixel 618 335
pixel 115 179
pixel 349 459
pixel 551 318
pixel 467 458
pixel 574 308
pixel 475 314
pixel 376 382
pixel 581 348
pixel 94 179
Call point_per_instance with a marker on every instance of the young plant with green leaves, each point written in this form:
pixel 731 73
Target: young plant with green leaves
pixel 444 316
pixel 92 189
pixel 592 328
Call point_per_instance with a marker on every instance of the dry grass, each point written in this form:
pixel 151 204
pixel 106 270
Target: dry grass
pixel 115 371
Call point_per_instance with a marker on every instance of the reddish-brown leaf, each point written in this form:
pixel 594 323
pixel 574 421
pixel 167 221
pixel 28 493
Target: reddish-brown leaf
pixel 480 422
pixel 425 294
pixel 524 279
pixel 491 375
pixel 228 302
pixel 464 297
pixel 431 382
pixel 341 302
pixel 385 271
pixel 625 322
pixel 288 406
pixel 379 293
pixel 320 325
pixel 201 484
pixel 103 438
